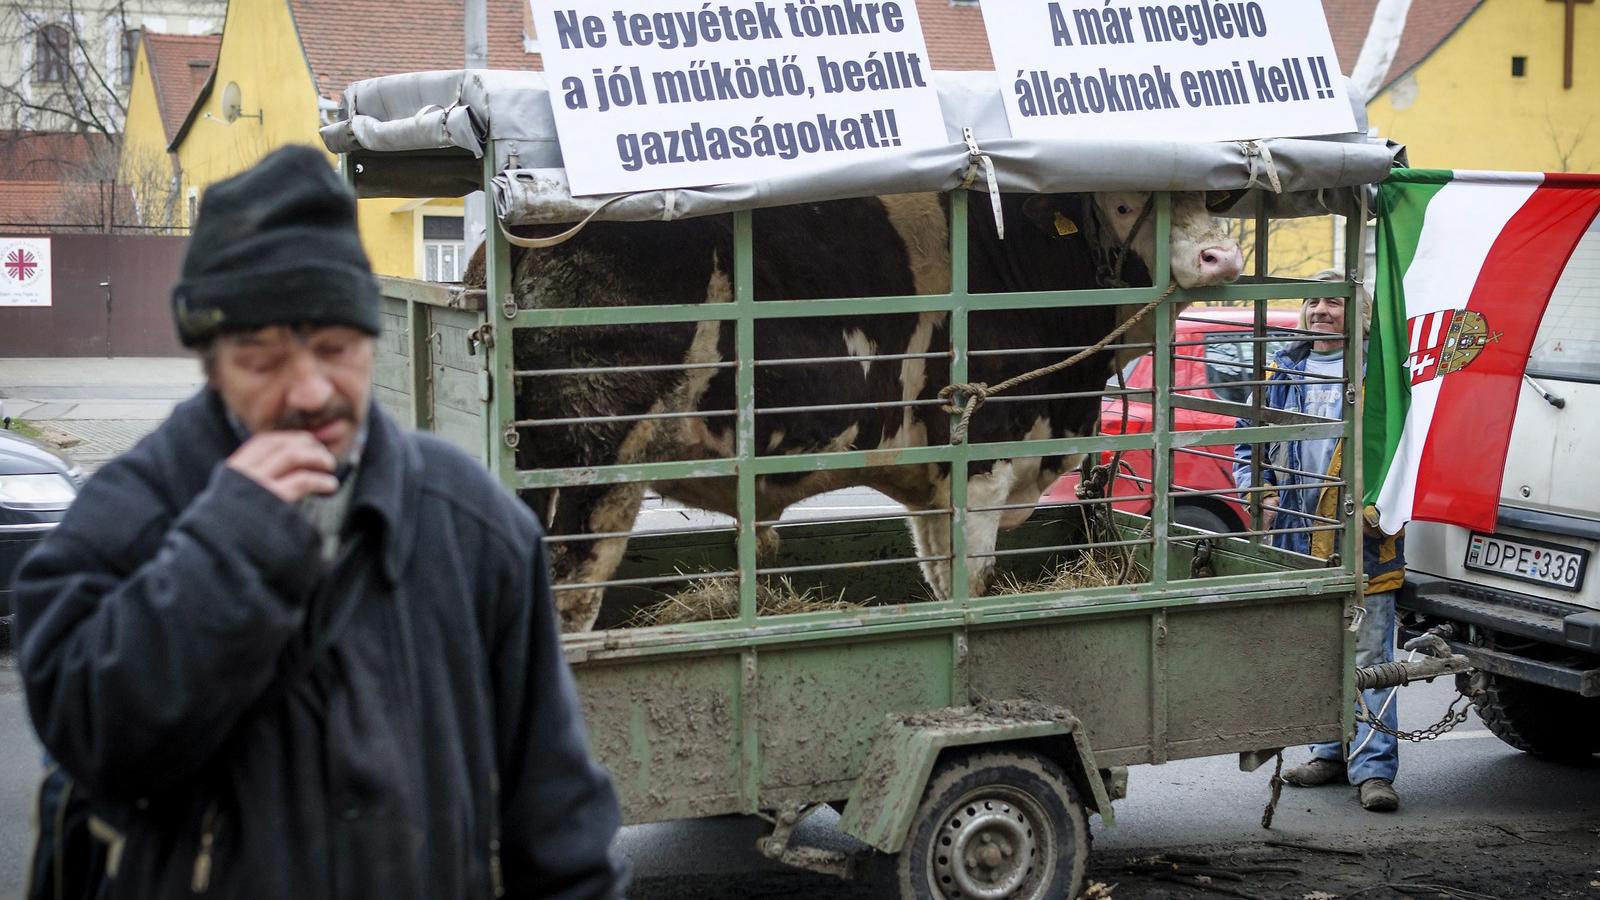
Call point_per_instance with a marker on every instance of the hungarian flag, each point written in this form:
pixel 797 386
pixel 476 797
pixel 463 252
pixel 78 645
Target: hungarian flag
pixel 1466 264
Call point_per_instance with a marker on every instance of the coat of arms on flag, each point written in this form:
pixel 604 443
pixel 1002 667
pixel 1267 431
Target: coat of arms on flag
pixel 1445 341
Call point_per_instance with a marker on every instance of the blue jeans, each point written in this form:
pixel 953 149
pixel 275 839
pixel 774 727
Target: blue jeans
pixel 1373 754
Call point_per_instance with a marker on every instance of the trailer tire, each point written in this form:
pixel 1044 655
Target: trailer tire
pixel 998 806
pixel 1540 720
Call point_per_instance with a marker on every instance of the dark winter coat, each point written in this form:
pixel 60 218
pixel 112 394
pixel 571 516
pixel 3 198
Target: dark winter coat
pixel 435 751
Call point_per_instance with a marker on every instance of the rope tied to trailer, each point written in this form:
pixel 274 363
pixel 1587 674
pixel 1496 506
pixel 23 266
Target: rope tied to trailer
pixel 964 398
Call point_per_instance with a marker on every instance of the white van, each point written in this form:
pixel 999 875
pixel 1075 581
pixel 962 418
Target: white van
pixel 1524 602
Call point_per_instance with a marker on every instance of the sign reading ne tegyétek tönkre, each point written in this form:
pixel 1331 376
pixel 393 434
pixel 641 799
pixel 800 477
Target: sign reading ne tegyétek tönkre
pixel 24 271
pixel 653 94
pixel 1167 69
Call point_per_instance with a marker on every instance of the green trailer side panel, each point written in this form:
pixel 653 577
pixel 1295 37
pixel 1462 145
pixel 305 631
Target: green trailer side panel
pixel 667 731
pixel 1070 664
pixel 1229 669
pixel 801 688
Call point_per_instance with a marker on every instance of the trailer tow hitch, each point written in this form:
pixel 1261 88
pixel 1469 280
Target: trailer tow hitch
pixel 1439 660
pixel 813 859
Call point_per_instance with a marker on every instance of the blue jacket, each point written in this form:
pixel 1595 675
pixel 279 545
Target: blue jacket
pixel 1383 560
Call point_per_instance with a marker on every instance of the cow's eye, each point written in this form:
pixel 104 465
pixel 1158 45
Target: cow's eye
pixel 1124 209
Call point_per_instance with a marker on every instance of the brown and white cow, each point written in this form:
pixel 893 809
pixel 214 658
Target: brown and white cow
pixel 888 246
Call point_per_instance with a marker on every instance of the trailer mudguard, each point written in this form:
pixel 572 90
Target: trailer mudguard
pixel 890 787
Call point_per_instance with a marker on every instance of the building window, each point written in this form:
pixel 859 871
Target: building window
pixel 130 53
pixel 443 247
pixel 1519 66
pixel 52 51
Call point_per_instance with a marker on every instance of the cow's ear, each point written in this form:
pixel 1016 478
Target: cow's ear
pixel 1051 215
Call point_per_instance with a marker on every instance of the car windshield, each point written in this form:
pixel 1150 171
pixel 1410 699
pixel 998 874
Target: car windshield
pixel 1567 347
pixel 1229 360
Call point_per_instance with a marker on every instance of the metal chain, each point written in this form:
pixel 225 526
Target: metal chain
pixel 1452 718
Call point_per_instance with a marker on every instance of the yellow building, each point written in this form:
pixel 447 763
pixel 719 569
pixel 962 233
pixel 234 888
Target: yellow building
pixel 169 72
pixel 1493 93
pixel 280 70
pixel 1473 84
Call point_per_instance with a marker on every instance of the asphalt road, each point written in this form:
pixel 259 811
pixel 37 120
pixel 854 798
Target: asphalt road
pixel 1467 780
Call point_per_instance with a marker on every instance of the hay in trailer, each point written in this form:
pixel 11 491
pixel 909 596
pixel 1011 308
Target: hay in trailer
pixel 1090 569
pixel 706 599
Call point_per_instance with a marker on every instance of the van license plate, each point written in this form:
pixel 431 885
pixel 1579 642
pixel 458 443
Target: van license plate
pixel 1527 560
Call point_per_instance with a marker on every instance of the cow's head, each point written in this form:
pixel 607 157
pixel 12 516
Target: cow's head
pixel 1202 251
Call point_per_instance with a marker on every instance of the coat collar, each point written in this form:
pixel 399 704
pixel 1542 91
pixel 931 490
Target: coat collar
pixel 387 485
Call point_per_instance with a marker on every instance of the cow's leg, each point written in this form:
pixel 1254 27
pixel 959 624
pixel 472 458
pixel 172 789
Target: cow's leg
pixel 930 535
pixel 579 511
pixel 1031 476
pixel 986 489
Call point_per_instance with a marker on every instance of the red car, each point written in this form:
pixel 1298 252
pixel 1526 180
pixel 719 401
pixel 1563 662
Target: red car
pixel 1214 326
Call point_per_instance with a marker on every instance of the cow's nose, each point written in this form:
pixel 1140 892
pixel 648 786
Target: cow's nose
pixel 1221 263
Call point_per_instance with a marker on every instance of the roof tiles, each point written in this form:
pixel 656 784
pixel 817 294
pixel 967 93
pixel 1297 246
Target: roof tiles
pixel 349 40
pixel 179 65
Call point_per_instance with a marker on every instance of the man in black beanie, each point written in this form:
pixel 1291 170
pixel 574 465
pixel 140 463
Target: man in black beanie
pixel 289 650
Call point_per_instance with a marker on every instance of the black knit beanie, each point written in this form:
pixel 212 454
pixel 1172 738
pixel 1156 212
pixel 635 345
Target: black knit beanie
pixel 276 245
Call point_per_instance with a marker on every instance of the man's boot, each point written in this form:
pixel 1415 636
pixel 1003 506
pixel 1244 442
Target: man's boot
pixel 1316 773
pixel 1378 795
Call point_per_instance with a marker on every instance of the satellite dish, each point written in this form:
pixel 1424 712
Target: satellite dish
pixel 232 104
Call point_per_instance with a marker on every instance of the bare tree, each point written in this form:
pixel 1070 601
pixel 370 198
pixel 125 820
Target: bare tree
pixel 63 103
pixel 1566 146
pixel 1285 258
pixel 154 190
pixel 70 76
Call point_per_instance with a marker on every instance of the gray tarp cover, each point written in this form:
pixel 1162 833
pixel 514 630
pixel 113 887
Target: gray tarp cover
pixel 388 119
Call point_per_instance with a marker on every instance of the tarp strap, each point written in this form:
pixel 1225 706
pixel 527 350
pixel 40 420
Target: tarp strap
pixel 1258 157
pixel 544 243
pixel 978 160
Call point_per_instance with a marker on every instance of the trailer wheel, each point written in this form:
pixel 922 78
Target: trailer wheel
pixel 994 825
pixel 1540 720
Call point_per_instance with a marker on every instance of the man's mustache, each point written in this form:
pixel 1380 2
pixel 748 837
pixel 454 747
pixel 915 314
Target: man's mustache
pixel 301 420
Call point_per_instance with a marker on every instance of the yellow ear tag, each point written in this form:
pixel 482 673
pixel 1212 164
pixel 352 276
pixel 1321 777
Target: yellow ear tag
pixel 1065 226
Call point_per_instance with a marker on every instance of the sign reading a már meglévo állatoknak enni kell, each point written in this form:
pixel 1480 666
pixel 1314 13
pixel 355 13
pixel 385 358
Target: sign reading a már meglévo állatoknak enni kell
pixel 1185 70
pixel 25 272
pixel 652 94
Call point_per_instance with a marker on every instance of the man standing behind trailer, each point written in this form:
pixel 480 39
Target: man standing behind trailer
pixel 1373 760
pixel 290 650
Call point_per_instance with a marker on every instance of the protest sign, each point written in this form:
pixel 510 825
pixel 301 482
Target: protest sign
pixel 24 271
pixel 1158 70
pixel 655 94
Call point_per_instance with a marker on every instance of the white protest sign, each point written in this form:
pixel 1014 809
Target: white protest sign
pixel 24 271
pixel 652 94
pixel 1195 70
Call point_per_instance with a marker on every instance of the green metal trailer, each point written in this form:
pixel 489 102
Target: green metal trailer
pixel 966 740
